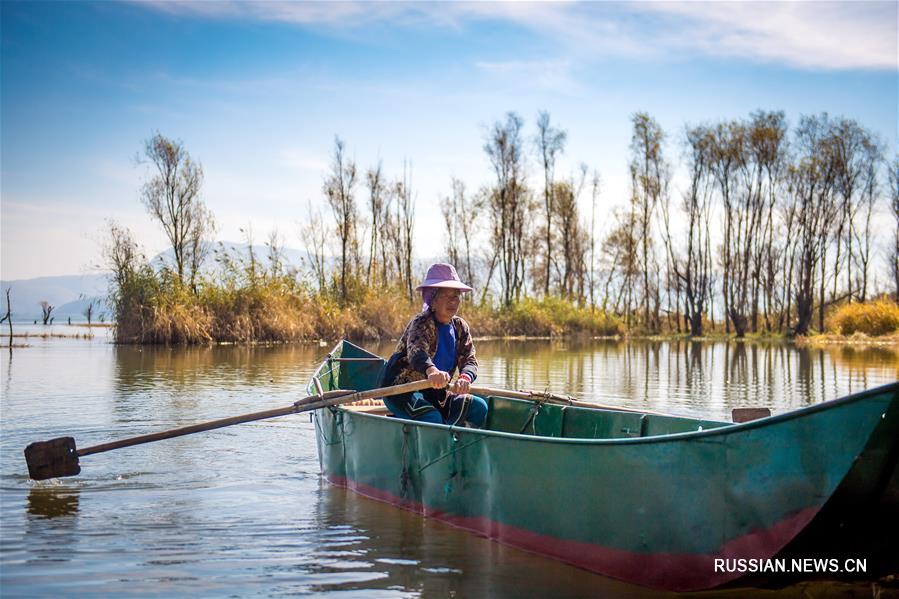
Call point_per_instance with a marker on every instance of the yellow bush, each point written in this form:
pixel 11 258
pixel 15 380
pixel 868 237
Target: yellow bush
pixel 875 318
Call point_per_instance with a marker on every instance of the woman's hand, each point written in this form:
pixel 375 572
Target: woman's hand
pixel 438 378
pixel 461 386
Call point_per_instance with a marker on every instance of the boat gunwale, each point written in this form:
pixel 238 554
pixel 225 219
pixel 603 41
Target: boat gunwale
pixel 727 429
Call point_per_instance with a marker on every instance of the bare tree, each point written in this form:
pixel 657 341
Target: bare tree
pixel 172 196
pixel 122 255
pixel 550 143
pixel 89 311
pixel 767 149
pixel 339 188
pixel 741 153
pixel 46 310
pixel 595 187
pixel 620 261
pixel 894 201
pixel 452 219
pixel 508 204
pixel 8 318
pixel 692 265
pixel 761 168
pixel 725 163
pixel 461 216
pixel 399 229
pixel 571 240
pixel 314 234
pixel 650 176
pixel 855 154
pixel 862 233
pixel 812 183
pixel 132 282
pixel 406 218
pixel 743 217
pixel 375 182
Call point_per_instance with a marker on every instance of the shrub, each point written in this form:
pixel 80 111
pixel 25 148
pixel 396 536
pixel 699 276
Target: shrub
pixel 268 311
pixel 875 318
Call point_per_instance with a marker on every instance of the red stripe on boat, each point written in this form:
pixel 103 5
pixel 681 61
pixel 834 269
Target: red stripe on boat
pixel 668 571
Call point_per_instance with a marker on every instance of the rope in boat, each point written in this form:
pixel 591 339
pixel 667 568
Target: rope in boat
pixel 547 396
pixel 539 399
pixel 532 417
pixel 338 420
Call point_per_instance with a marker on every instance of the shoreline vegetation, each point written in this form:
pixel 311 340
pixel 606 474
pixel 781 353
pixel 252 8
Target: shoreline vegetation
pixel 814 340
pixel 284 311
pixel 794 207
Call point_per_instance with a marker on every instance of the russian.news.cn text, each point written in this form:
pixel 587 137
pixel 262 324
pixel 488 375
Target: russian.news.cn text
pixel 808 565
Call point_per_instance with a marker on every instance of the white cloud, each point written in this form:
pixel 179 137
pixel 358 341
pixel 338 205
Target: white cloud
pixel 336 14
pixel 820 35
pixel 816 35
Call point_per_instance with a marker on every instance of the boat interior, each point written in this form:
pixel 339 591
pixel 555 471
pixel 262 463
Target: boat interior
pixel 358 369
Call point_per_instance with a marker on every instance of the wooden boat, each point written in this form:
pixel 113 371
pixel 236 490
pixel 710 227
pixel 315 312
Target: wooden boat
pixel 655 500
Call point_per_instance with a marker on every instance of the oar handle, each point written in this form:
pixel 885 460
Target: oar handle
pixel 312 402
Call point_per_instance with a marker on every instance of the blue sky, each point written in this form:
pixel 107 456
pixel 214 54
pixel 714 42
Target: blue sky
pixel 257 91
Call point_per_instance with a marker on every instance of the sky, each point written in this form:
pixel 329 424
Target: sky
pixel 257 92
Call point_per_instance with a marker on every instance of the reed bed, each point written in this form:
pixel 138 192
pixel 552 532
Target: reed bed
pixel 281 310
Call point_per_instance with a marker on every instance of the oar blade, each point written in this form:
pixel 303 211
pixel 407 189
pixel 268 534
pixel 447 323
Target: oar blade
pixel 52 459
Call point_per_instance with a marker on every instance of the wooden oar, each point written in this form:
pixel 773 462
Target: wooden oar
pixel 59 457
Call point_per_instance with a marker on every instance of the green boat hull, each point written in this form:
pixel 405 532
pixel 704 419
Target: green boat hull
pixel 648 499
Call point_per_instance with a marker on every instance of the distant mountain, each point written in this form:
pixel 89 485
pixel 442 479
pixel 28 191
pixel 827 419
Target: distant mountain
pixel 67 293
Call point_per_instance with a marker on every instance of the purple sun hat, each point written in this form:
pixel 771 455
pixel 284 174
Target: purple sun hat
pixel 442 275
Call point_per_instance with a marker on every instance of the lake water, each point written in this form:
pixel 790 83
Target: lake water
pixel 242 511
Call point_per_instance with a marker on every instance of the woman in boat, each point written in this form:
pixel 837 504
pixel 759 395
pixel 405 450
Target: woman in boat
pixel 435 345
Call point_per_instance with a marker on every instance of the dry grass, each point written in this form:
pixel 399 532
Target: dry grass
pixel 281 311
pixel 272 311
pixel 879 318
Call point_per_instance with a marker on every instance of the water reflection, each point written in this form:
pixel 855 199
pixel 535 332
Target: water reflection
pixel 701 378
pixel 377 548
pixel 46 502
pixel 181 368
pixel 8 380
